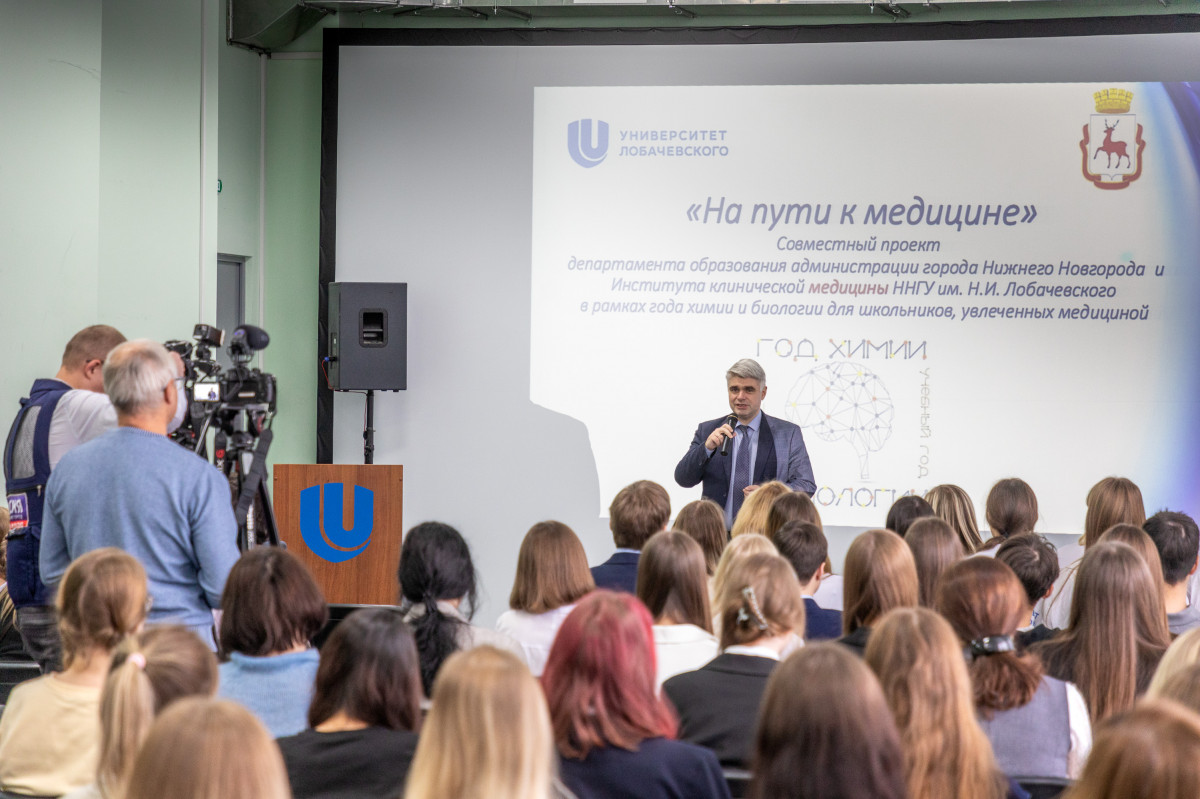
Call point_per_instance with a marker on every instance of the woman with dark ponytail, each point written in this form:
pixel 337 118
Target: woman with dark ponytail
pixel 438 597
pixel 1038 725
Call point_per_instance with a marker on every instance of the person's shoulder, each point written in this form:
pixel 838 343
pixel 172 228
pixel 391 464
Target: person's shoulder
pixel 778 425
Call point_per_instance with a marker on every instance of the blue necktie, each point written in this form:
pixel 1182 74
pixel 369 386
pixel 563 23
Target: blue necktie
pixel 741 469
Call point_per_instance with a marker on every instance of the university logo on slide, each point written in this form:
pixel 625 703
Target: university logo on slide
pixel 583 150
pixel 1112 141
pixel 329 539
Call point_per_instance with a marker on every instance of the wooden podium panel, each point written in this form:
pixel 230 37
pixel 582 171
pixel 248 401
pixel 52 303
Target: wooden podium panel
pixel 368 578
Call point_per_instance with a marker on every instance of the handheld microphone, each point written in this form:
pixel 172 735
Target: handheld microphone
pixel 730 420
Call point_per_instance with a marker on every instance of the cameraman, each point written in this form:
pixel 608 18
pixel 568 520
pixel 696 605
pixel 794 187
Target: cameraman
pixel 135 489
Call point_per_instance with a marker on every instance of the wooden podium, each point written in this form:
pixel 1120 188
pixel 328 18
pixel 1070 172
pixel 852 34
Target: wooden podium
pixel 363 575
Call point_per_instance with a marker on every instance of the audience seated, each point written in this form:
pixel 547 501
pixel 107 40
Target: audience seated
pixel 920 665
pixel 905 511
pixel 1142 544
pixel 826 731
pixel 488 733
pixel 704 521
pixel 1181 685
pixel 149 672
pixel 1113 500
pixel 204 749
pixel 1035 562
pixel 804 546
pixel 438 597
pixel 953 506
pixel 718 704
pixel 638 511
pixel 50 730
pixel 1152 752
pixel 1011 509
pixel 795 506
pixel 935 548
pixel 1177 540
pixel 1117 631
pixel 1038 725
pixel 365 712
pixel 1183 652
pixel 738 548
pixel 552 575
pixel 752 518
pixel 272 610
pixel 672 585
pixel 612 730
pixel 880 575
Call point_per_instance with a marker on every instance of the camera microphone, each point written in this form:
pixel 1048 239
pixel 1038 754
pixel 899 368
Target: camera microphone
pixel 250 337
pixel 730 420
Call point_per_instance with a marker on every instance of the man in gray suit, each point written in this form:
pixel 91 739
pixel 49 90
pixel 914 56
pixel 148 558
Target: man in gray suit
pixel 763 448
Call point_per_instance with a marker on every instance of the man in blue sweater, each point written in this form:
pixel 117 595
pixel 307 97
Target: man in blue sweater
pixel 135 489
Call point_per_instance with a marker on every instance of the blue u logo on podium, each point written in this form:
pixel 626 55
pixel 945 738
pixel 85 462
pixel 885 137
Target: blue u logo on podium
pixel 327 537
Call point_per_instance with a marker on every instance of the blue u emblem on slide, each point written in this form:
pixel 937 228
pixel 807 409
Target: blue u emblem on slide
pixel 330 540
pixel 579 142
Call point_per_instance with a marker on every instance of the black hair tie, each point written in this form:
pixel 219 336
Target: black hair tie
pixel 990 645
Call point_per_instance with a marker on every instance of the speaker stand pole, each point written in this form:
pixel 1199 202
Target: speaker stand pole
pixel 369 430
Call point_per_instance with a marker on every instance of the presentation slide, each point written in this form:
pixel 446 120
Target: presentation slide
pixel 944 283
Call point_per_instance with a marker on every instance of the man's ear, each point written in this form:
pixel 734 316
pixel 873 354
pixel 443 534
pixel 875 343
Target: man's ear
pixel 1049 591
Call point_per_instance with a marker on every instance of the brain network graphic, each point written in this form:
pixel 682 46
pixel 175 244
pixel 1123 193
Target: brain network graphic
pixel 844 402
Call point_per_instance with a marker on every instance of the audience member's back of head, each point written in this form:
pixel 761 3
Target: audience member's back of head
pixel 552 569
pixel 953 505
pixel 1177 540
pixel 91 344
pixel 1035 562
pixel 435 564
pixel 600 677
pixel 208 749
pixel 271 604
pixel 369 671
pixel 704 521
pixel 935 547
pixel 672 582
pixel 149 672
pixel 752 518
pixel 905 511
pixel 101 600
pixel 1183 653
pixel 763 600
pixel 1011 509
pixel 804 546
pixel 638 511
pixel 1113 500
pixel 984 601
pixel 920 665
pixel 826 732
pixel 1144 545
pixel 1182 685
pixel 794 506
pixel 1151 752
pixel 880 575
pixel 488 732
pixel 738 548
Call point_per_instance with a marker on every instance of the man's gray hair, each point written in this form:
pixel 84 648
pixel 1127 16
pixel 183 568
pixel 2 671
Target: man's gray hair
pixel 747 369
pixel 135 374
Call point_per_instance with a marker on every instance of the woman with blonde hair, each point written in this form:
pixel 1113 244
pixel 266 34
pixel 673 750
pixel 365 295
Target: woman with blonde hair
pixel 718 703
pixel 487 735
pixel 935 548
pixel 208 749
pixel 704 521
pixel 920 665
pixel 1117 631
pixel 826 732
pixel 752 518
pixel 738 548
pixel 1038 725
pixel 953 505
pixel 880 575
pixel 1183 652
pixel 50 730
pixel 671 583
pixel 1151 752
pixel 150 671
pixel 552 575
pixel 1112 501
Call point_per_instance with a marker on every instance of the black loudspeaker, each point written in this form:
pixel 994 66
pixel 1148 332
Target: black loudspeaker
pixel 368 336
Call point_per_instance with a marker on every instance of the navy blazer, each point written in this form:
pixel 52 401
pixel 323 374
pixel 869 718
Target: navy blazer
pixel 618 572
pixel 718 705
pixel 781 456
pixel 659 769
pixel 821 624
